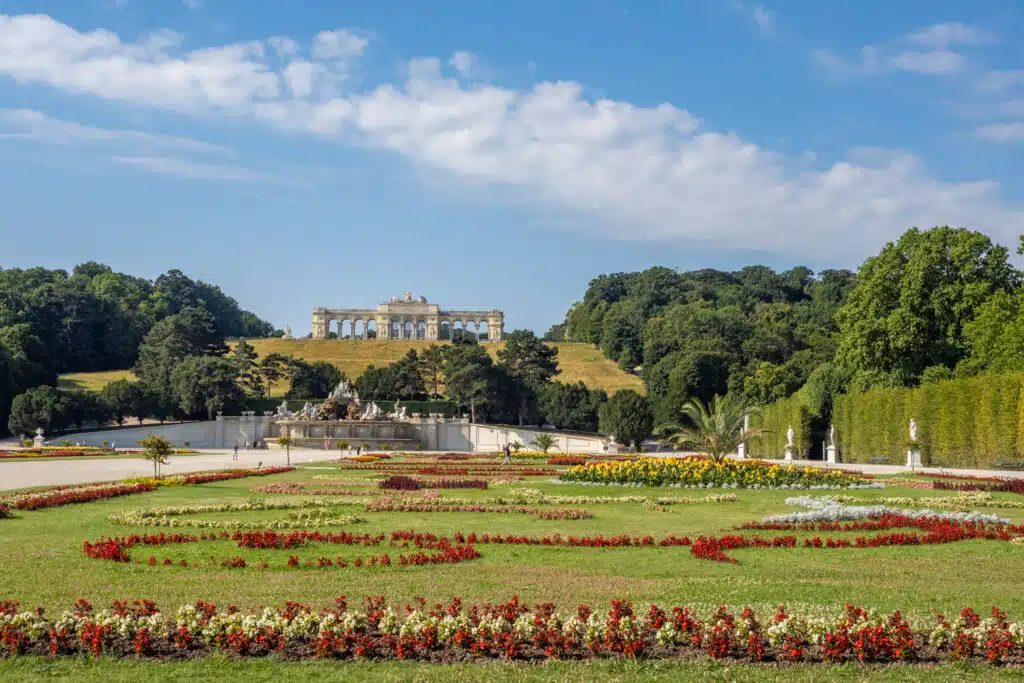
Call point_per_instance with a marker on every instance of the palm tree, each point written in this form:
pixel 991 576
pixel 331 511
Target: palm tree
pixel 544 441
pixel 716 431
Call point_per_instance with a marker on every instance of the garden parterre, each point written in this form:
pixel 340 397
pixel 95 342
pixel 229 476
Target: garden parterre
pixel 47 565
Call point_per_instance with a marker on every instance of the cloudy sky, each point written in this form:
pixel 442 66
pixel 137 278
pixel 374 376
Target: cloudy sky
pixel 497 154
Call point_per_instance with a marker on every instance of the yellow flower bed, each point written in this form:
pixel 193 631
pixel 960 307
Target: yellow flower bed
pixel 703 472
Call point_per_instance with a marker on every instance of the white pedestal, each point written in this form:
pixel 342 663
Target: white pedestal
pixel 831 455
pixel 38 441
pixel 913 458
pixel 741 452
pixel 789 454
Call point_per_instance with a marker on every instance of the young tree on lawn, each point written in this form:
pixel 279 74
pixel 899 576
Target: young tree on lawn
pixel 156 449
pixel 627 415
pixel 287 442
pixel 715 431
pixel 432 366
pixel 544 442
pixel 531 362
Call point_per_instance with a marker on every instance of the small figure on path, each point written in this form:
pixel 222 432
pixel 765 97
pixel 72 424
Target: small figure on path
pixel 508 454
pixel 247 444
pixel 327 445
pixel 234 452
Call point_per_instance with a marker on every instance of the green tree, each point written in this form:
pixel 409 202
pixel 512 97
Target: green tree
pixel 531 362
pixel 995 337
pixel 432 366
pixel 313 380
pixel 467 372
pixel 157 450
pixel 627 416
pixel 408 376
pixel 85 407
pixel 205 385
pixel 244 357
pixel 572 406
pixel 716 430
pixel 273 367
pixel 912 301
pixel 44 406
pixel 376 384
pixel 123 397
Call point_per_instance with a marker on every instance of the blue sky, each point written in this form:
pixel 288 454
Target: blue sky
pixel 492 154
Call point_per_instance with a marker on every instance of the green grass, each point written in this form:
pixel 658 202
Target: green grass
pixel 578 362
pixel 43 565
pixel 223 669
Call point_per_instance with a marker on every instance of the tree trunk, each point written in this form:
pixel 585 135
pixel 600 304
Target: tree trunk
pixel 472 412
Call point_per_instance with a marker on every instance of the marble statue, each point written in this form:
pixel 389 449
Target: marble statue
pixel 789 436
pixel 343 393
pixel 287 332
pixel 372 412
pixel 39 431
pixel 307 410
pixel 282 410
pixel 746 424
pixel 913 429
pixel 832 436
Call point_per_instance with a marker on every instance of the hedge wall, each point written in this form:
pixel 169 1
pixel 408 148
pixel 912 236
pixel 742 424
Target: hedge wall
pixel 776 420
pixel 965 423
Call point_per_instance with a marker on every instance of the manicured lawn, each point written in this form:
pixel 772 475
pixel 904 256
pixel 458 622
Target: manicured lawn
pixel 44 566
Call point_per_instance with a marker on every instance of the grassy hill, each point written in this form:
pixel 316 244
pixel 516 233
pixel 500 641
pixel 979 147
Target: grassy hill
pixel 578 362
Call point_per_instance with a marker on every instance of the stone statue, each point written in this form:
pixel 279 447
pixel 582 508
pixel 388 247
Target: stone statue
pixel 282 410
pixel 832 436
pixel 372 412
pixel 913 429
pixel 789 436
pixel 407 298
pixel 746 424
pixel 287 332
pixel 39 431
pixel 307 410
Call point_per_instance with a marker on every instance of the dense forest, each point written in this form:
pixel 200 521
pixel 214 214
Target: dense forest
pixel 52 322
pixel 933 305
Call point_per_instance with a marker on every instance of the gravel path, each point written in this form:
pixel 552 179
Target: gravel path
pixel 24 473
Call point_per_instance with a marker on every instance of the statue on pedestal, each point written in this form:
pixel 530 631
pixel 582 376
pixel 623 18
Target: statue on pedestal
pixel 789 436
pixel 832 436
pixel 913 430
pixel 287 332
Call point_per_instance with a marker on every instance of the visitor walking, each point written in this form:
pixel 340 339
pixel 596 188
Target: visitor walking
pixel 234 452
pixel 247 444
pixel 508 454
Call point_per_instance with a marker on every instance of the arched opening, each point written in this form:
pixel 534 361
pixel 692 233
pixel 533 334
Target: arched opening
pixel 421 329
pixel 483 330
pixel 333 333
pixel 359 329
pixel 371 329
pixel 345 329
pixel 445 330
pixel 396 329
pixel 408 330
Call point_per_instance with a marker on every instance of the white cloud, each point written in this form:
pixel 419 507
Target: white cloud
pixel 905 54
pixel 1000 81
pixel 1002 132
pixel 632 172
pixel 341 44
pixel 941 36
pixel 27 124
pixel 186 168
pixel 466 64
pixel 193 4
pixel 765 20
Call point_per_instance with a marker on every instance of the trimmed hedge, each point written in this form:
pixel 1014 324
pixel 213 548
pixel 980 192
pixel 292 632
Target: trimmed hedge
pixel 776 420
pixel 964 423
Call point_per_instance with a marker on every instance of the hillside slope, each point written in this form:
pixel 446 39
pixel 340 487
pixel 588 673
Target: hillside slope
pixel 578 362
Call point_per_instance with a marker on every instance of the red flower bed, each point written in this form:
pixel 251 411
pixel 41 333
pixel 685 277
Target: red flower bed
pixel 404 483
pixel 400 483
pixel 55 453
pixel 1004 486
pixel 567 461
pixel 411 632
pixel 67 496
pixel 960 477
pixel 4 511
pixel 207 477
pixel 463 469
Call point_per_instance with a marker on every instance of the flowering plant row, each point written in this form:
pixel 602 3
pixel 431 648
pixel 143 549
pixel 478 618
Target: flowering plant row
pixel 524 496
pixel 404 483
pixel 4 511
pixel 701 471
pixel 827 509
pixel 51 498
pixel 55 453
pixel 511 630
pixel 963 500
pixel 461 470
pixel 319 509
pixel 300 488
pixel 567 460
pixel 443 505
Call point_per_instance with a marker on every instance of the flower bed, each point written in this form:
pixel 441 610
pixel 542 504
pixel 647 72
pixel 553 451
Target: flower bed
pixel 404 483
pixel 57 497
pixel 317 511
pixel 462 469
pixel 510 630
pixel 299 488
pixel 443 505
pixel 567 461
pixel 75 452
pixel 4 511
pixel 705 473
pixel 538 497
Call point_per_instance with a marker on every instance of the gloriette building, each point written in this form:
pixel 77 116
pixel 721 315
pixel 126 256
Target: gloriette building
pixel 407 317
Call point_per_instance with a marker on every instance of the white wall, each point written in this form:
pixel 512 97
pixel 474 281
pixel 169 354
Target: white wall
pixel 445 435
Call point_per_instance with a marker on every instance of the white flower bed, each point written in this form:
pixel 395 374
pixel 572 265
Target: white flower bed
pixel 825 509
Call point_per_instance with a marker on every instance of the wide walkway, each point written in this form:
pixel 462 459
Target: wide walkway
pixel 25 473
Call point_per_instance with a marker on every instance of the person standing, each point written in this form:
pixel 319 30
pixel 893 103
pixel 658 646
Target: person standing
pixel 234 452
pixel 508 455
